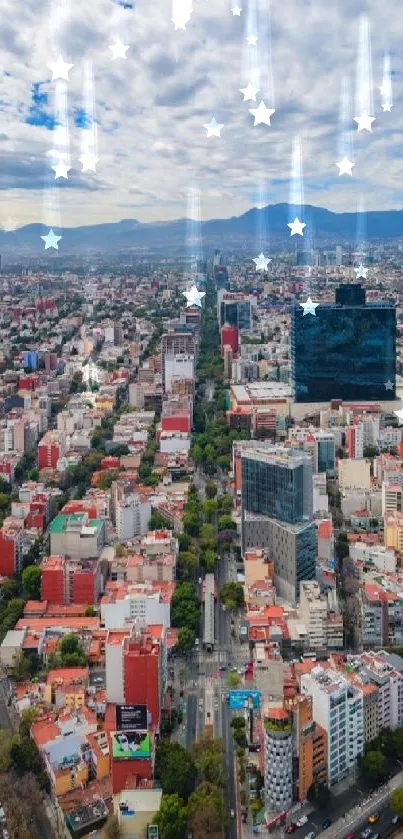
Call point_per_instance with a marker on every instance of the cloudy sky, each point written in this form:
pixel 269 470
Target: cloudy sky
pixel 149 109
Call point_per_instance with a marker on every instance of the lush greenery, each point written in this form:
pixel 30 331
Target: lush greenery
pixel 31 582
pixel 396 801
pixel 175 769
pixel 185 607
pixel 232 595
pixel 70 653
pixel 171 817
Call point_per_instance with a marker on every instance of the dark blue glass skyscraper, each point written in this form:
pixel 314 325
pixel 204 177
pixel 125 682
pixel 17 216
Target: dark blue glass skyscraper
pixel 347 350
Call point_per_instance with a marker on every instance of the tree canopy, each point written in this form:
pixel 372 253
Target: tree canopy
pixel 175 769
pixel 171 817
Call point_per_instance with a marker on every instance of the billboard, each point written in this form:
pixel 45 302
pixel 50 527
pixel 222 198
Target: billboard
pixel 131 745
pixel 237 698
pixel 131 717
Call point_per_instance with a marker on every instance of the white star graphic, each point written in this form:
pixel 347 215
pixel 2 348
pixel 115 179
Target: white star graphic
pixel 51 240
pixel 387 106
pixel 345 166
pixel 399 415
pixel 361 272
pixel 249 92
pixel 309 307
pixel 296 227
pixel 251 40
pixel 118 49
pixel 213 128
pixel 89 162
pixel 261 262
pixel 60 69
pixel 389 385
pixel 194 297
pixel 364 122
pixel 262 114
pixel 61 169
pixel 236 11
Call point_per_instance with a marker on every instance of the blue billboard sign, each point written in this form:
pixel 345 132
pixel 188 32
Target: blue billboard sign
pixel 237 698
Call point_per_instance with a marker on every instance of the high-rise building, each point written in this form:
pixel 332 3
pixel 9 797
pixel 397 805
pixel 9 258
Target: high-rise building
pixel 338 707
pixel 278 777
pixel 177 343
pixel 277 482
pixel 234 309
pixel 347 350
pixel 277 508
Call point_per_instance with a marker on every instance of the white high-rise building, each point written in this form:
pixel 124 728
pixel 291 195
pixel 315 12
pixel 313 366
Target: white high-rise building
pixel 338 707
pixel 132 517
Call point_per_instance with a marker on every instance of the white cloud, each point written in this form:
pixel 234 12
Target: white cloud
pixel 151 108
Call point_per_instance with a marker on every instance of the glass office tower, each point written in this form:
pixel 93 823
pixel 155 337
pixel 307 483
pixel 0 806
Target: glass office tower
pixel 278 485
pixel 346 351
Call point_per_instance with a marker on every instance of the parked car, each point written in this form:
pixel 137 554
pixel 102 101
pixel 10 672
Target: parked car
pixel 291 827
pixel 374 817
pixel 232 814
pixel 326 824
pixel 310 835
pixel 301 821
pixel 367 833
pixel 350 836
pixel 395 820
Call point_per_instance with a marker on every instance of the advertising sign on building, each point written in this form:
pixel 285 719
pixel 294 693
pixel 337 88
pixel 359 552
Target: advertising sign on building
pixel 130 717
pixel 238 698
pixel 131 745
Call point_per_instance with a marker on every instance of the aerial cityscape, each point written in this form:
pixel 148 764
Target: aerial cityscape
pixel 201 420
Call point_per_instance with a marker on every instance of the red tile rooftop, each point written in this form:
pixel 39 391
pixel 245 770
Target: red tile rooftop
pixel 67 675
pixel 277 714
pixel 48 623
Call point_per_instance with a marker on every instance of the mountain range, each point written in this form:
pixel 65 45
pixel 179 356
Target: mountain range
pixel 268 224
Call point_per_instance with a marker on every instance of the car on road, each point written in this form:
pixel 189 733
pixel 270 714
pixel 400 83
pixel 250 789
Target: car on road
pixel 373 818
pixel 395 820
pixel 301 821
pixel 350 836
pixel 310 835
pixel 367 833
pixel 223 667
pixel 232 814
pixel 326 824
pixel 292 827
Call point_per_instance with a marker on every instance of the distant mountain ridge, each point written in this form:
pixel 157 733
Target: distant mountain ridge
pixel 269 223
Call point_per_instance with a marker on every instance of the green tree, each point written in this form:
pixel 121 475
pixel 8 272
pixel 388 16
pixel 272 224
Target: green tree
pixel 171 817
pixel 186 639
pixel 211 489
pixel 185 606
pixel 90 612
pixel 210 560
pixel 226 522
pixel 232 595
pixel 210 508
pixel 233 680
pixel 226 503
pixel 31 582
pixel 175 769
pixel 208 538
pixel 374 766
pixel 396 801
pixel 191 523
pixel 370 451
pixel 187 565
pixel 197 454
pixel 206 811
